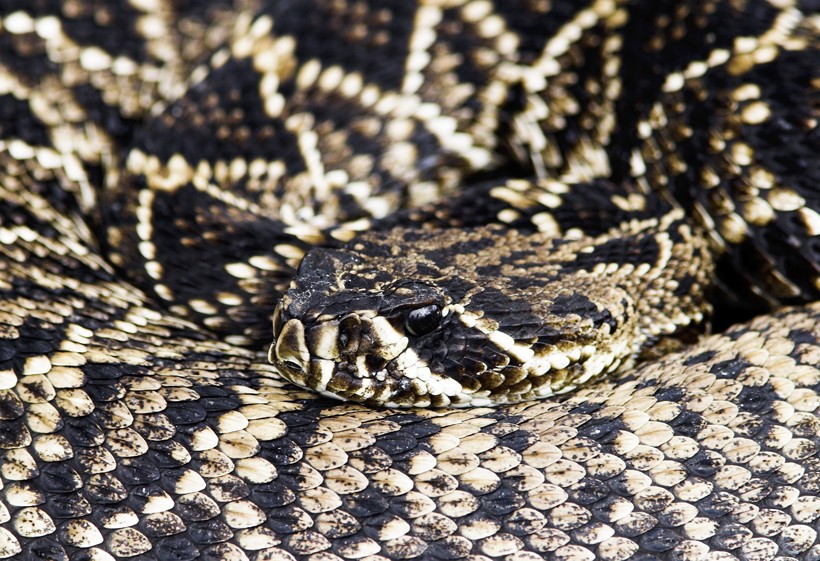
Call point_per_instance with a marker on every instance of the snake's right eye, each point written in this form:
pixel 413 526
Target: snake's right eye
pixel 422 321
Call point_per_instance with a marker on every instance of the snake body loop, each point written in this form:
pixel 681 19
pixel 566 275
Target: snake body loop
pixel 450 212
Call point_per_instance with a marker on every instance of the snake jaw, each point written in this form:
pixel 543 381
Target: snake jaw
pixel 361 356
pixel 358 358
pixel 348 335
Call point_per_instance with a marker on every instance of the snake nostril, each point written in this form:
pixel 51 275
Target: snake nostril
pixel 289 350
pixel 292 365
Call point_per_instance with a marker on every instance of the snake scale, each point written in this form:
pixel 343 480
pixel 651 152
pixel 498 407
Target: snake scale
pixel 165 166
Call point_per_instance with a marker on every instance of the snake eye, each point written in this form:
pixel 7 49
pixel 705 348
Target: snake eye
pixel 422 321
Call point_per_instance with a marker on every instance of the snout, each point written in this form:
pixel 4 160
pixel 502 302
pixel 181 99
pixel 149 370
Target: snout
pixel 347 357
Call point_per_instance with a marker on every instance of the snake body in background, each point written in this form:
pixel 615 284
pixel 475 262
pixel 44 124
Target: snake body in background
pixel 165 166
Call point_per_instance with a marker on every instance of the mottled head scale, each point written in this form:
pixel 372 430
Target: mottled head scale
pixel 481 316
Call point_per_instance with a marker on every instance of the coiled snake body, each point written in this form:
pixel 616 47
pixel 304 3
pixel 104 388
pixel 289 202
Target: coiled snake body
pixel 510 200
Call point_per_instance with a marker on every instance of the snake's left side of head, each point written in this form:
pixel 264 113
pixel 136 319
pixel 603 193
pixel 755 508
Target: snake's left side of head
pixel 485 315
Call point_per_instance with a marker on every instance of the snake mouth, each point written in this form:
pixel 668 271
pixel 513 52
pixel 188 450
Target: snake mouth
pixel 361 359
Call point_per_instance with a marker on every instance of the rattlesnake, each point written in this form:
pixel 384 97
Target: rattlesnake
pixel 165 167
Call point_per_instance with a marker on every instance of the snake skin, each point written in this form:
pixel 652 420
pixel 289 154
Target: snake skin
pixel 146 235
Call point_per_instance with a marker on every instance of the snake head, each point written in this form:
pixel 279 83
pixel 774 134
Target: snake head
pixel 347 326
pixel 470 317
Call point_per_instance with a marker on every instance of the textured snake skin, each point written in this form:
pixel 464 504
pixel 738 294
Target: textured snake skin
pixel 165 166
